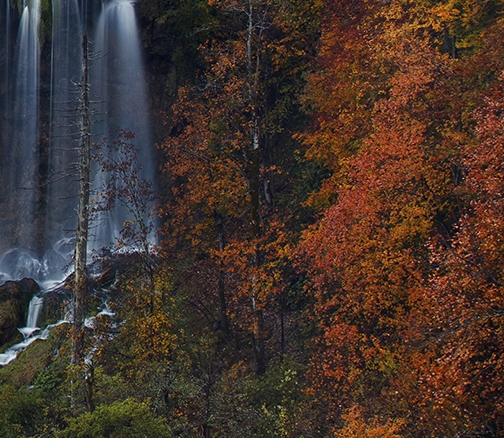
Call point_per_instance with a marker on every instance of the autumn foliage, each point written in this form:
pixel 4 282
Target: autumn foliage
pixel 401 265
pixel 331 249
pixel 404 265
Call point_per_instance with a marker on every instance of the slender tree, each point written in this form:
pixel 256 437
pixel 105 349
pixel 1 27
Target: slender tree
pixel 81 241
pixel 125 188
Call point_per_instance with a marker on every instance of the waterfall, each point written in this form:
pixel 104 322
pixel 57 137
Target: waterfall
pixel 21 165
pixel 27 332
pixel 40 65
pixel 20 198
pixel 5 55
pixel 34 311
pixel 66 55
pixel 118 78
pixel 33 314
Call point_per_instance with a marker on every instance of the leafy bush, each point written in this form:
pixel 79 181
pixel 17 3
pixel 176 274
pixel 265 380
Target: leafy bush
pixel 20 411
pixel 120 419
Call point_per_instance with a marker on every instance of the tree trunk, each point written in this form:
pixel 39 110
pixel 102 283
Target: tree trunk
pixel 222 276
pixel 258 313
pixel 255 28
pixel 81 238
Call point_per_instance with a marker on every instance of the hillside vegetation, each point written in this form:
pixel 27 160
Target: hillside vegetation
pixel 331 234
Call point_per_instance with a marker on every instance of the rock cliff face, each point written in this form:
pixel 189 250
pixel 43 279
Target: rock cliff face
pixel 15 298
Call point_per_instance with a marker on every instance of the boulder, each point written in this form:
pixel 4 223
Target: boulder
pixel 56 306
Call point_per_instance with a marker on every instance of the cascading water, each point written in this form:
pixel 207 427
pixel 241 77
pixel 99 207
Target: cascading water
pixel 5 23
pixel 32 332
pixel 21 108
pixel 33 315
pixel 38 123
pixel 118 77
pixel 27 332
pixel 66 53
pixel 26 113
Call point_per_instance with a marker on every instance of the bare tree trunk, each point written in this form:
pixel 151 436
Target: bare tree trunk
pixel 255 27
pixel 80 279
pixel 89 381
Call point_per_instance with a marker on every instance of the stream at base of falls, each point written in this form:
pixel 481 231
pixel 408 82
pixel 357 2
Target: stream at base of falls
pixel 31 332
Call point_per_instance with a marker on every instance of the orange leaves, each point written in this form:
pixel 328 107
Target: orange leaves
pixel 206 176
pixel 366 258
pixel 462 312
pixel 393 101
pixel 237 259
pixel 225 159
pixel 361 63
pixel 485 162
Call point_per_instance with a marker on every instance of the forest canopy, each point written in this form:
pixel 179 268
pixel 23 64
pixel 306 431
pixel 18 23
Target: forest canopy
pixel 331 233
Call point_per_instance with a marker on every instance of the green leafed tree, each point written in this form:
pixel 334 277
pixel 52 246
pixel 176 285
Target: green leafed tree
pixel 128 418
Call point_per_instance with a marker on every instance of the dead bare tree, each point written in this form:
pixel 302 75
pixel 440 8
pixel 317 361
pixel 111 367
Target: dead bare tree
pixel 80 284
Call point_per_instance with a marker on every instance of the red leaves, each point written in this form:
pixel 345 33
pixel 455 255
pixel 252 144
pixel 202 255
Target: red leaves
pixel 466 289
pixel 405 263
pixel 390 301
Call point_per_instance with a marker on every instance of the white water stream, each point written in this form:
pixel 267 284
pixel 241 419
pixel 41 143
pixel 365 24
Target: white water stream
pixel 31 332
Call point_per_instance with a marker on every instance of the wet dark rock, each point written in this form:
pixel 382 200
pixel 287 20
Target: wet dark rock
pixel 55 306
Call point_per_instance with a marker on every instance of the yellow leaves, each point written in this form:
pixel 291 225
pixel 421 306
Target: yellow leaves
pixel 446 14
pixel 150 332
pixel 412 225
pixel 155 339
pixel 359 425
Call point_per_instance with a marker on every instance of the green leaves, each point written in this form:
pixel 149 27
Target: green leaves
pixel 20 411
pixel 128 418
